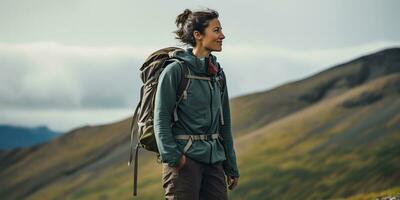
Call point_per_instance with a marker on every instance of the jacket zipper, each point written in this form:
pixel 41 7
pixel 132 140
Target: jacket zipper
pixel 211 95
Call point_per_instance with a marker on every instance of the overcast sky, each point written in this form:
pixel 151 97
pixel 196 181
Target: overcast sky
pixel 65 64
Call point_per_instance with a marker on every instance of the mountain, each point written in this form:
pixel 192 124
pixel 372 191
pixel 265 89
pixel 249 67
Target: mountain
pixel 333 135
pixel 256 110
pixel 16 136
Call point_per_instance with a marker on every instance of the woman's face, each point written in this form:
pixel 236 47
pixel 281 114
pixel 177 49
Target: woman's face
pixel 212 37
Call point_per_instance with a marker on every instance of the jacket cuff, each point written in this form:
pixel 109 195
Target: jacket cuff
pixel 230 170
pixel 175 161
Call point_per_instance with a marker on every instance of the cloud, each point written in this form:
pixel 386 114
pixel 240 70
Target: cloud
pixel 52 75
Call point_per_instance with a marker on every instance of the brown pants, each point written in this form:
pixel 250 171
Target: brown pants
pixel 194 181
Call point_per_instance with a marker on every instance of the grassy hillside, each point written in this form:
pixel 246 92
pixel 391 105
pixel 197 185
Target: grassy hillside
pixel 78 155
pixel 389 193
pixel 315 142
pixel 326 151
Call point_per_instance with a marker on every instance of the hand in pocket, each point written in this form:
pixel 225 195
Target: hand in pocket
pixel 182 162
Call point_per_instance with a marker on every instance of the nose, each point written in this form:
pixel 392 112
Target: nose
pixel 222 36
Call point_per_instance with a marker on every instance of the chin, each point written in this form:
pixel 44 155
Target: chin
pixel 218 49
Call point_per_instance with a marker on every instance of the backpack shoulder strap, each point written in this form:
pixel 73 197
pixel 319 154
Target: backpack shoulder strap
pixel 184 83
pixel 183 86
pixel 182 91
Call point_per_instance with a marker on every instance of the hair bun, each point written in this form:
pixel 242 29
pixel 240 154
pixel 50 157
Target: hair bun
pixel 181 19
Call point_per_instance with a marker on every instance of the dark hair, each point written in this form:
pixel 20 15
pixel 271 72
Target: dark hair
pixel 188 22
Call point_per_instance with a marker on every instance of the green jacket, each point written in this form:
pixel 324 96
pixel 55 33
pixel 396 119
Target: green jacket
pixel 199 113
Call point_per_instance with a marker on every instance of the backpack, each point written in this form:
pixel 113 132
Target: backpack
pixel 142 120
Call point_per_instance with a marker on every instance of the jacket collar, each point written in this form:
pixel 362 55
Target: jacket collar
pixel 198 65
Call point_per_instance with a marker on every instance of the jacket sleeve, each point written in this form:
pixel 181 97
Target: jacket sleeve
pixel 164 105
pixel 230 165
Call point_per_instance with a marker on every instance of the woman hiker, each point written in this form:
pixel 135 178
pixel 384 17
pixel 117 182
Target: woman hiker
pixel 197 151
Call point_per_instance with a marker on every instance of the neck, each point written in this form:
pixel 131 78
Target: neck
pixel 201 52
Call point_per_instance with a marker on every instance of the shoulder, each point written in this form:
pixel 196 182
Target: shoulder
pixel 172 69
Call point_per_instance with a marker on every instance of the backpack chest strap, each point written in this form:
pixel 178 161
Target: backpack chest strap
pixel 189 76
pixel 206 78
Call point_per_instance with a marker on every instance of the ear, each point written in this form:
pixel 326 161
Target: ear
pixel 197 35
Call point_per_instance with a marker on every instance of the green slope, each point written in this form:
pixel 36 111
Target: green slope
pixel 82 152
pixel 328 150
pixel 389 193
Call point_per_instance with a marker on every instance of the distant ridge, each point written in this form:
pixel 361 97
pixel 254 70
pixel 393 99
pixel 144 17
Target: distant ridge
pixel 18 136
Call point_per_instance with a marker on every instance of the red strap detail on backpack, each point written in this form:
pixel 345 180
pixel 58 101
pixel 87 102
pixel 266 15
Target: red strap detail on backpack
pixel 212 69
